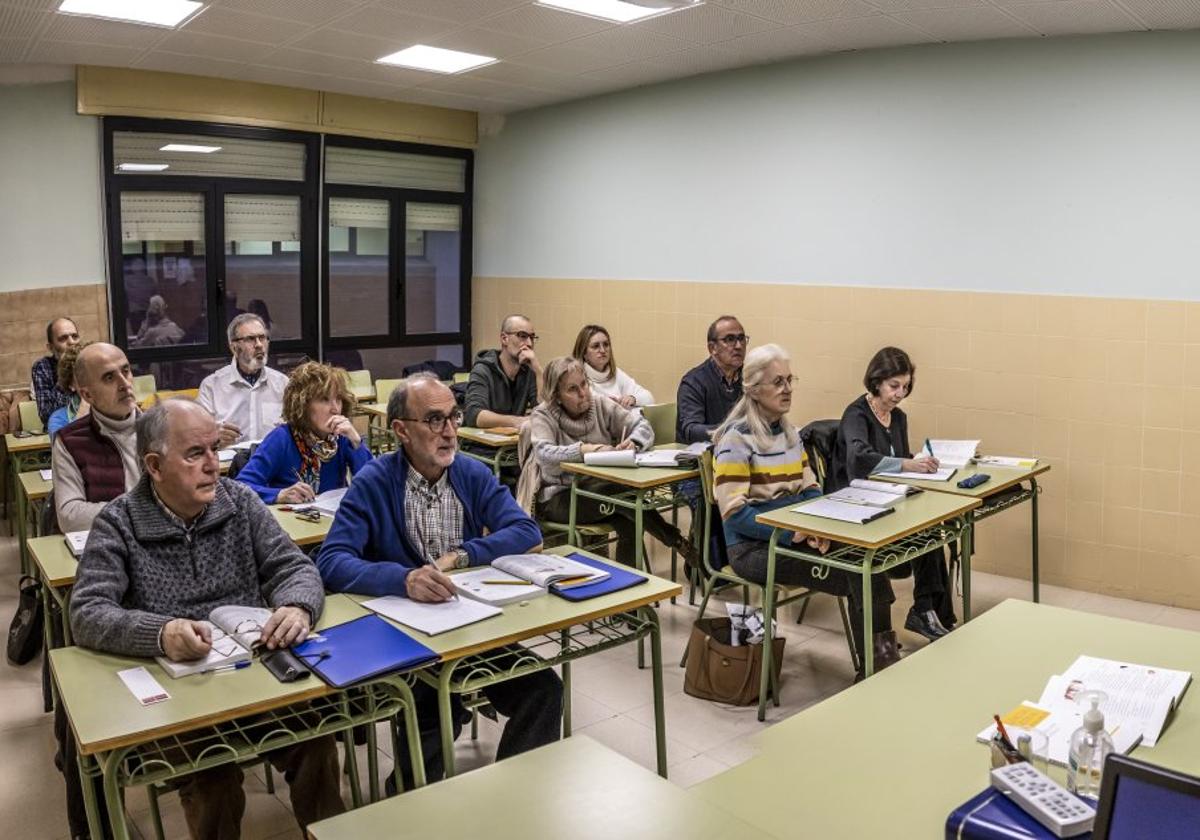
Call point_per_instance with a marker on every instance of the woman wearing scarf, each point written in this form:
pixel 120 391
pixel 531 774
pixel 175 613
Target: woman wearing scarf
pixel 593 347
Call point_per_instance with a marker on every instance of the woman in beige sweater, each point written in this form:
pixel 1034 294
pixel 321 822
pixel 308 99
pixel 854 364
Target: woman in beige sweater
pixel 570 424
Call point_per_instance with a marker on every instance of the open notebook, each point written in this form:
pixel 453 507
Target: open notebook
pixel 235 634
pixel 519 577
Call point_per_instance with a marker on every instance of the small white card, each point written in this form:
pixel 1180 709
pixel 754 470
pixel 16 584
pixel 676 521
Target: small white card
pixel 143 686
pixel 46 475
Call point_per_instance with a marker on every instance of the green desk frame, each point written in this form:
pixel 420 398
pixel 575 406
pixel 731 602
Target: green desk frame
pixel 24 455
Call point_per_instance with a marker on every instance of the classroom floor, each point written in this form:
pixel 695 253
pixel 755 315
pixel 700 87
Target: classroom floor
pixel 612 703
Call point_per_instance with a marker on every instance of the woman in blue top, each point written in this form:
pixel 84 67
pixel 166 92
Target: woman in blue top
pixel 311 452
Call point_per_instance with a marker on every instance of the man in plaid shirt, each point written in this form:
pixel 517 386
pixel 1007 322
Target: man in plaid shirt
pixel 61 333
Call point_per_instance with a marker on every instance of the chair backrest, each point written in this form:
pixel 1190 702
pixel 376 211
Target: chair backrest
pixel 384 388
pixel 461 376
pixel 359 378
pixel 144 386
pixel 717 558
pixel 819 438
pixel 661 417
pixel 30 422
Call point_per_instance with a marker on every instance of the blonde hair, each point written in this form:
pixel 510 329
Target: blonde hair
pixel 66 366
pixel 553 373
pixel 747 410
pixel 312 381
pixel 585 338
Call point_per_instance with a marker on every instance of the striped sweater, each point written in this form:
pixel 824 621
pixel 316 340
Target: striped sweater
pixel 750 480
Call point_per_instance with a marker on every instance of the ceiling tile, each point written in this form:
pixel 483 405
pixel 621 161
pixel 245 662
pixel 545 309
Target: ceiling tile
pixel 285 77
pixel 864 33
pixel 1165 14
pixel 404 30
pixel 774 45
pixel 516 73
pixel 311 62
pixel 86 30
pixel 312 12
pixel 567 59
pixel 22 23
pixel 211 46
pixel 705 24
pixel 191 64
pixel 63 52
pixel 346 44
pixel 43 5
pixel 965 24
pixel 1073 17
pixel 792 12
pixel 914 5
pixel 695 61
pixel 217 20
pixel 551 25
pixel 628 43
pixel 487 42
pixel 11 49
pixel 458 11
pixel 390 74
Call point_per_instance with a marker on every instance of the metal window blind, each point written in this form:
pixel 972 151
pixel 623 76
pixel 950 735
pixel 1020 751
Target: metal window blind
pixel 237 158
pixel 162 216
pixel 371 167
pixel 358 213
pixel 434 216
pixel 262 218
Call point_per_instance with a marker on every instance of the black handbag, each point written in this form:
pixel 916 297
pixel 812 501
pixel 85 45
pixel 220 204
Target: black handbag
pixel 25 632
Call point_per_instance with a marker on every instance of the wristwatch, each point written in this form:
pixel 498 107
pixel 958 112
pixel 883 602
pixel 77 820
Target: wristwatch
pixel 461 559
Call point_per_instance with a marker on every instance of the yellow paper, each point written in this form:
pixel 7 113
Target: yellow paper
pixel 1026 717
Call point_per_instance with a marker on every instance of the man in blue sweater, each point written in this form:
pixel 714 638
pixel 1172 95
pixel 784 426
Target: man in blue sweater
pixel 411 516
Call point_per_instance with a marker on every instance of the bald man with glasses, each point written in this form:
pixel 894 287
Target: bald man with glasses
pixel 708 392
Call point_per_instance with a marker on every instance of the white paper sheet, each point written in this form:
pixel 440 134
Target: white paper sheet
pixel 432 619
pixel 841 511
pixel 143 686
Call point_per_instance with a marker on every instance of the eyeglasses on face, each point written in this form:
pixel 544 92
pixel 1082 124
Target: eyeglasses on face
pixel 437 422
pixel 783 383
pixel 532 338
pixel 734 340
pixel 253 339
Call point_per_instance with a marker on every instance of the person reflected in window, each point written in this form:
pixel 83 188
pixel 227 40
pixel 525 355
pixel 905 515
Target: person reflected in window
pixel 157 327
pixel 594 348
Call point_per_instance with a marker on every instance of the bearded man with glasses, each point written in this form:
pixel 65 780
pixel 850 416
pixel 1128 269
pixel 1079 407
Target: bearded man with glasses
pixel 408 518
pixel 246 396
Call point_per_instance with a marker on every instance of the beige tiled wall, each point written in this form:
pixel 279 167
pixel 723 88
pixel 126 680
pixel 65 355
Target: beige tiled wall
pixel 23 318
pixel 1106 391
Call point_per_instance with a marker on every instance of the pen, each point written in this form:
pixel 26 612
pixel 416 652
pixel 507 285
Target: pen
pixel 928 448
pixel 235 666
pixel 507 583
pixel 1003 733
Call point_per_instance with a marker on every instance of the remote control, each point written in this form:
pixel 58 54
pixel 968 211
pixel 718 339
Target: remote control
pixel 1044 799
pixel 974 480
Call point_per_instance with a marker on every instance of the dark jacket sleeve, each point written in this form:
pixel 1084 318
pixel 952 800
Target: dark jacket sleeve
pixel 479 394
pixel 510 529
pixel 861 456
pixel 348 560
pixel 690 406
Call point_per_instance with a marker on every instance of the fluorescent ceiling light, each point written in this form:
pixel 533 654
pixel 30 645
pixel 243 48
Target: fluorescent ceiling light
pixel 142 167
pixel 618 10
pixel 189 147
pixel 154 12
pixel 436 59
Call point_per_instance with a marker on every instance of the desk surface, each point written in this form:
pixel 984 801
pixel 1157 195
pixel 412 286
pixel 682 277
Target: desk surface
pixel 573 788
pixel 300 530
pixel 378 409
pixel 637 478
pixel 34 486
pixel 1002 479
pixel 486 438
pixel 26 444
pixel 912 514
pixel 843 766
pixel 539 615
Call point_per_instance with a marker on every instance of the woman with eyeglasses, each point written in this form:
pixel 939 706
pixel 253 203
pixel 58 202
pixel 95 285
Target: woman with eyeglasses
pixel 759 465
pixel 593 347
pixel 569 424
pixel 873 438
pixel 315 446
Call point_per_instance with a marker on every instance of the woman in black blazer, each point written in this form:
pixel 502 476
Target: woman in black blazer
pixel 873 438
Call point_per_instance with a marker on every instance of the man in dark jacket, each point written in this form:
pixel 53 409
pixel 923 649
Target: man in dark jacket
pixel 708 392
pixel 504 383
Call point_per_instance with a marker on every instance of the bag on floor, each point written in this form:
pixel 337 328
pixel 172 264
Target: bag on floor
pixel 720 671
pixel 25 632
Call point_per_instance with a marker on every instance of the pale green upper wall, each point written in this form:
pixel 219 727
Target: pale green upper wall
pixel 50 207
pixel 1065 166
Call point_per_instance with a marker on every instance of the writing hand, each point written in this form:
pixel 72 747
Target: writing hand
pixel 429 584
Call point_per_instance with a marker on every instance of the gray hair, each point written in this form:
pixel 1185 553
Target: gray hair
pixel 154 425
pixel 747 411
pixel 506 324
pixel 397 407
pixel 244 318
pixel 555 370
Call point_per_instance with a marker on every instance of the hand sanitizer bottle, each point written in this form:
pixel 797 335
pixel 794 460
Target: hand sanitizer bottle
pixel 1090 744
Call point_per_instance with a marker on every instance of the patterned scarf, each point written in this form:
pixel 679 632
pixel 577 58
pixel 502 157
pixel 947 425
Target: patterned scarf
pixel 313 453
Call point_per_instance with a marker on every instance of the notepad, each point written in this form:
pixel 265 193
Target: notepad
pixel 943 474
pixel 432 619
pixel 841 511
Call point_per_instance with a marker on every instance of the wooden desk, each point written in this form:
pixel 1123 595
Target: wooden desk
pixel 554 629
pixel 1002 479
pixel 497 451
pixel 920 524
pixel 130 744
pixel 575 788
pixel 843 766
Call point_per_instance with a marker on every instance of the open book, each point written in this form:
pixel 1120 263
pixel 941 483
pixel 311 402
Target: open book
pixel 652 458
pixel 860 496
pixel 494 586
pixel 519 577
pixel 76 540
pixel 1058 721
pixel 831 508
pixel 327 503
pixel 953 453
pixel 235 634
pixel 897 490
pixel 943 474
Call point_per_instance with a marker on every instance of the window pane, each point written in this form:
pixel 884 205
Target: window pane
pixel 262 261
pixel 432 268
pixel 389 362
pixel 164 272
pixel 234 157
pixel 359 285
pixel 375 168
pixel 187 374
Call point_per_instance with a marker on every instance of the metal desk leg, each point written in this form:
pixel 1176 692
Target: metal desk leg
pixel 572 537
pixel 764 682
pixel 446 719
pixel 868 625
pixel 1033 512
pixel 565 635
pixel 112 795
pixel 968 536
pixel 89 769
pixel 22 524
pixel 660 720
pixel 640 561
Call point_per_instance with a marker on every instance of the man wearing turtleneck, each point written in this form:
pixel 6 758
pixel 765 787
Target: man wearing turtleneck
pixel 94 459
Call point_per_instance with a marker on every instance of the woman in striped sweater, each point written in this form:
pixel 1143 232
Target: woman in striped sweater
pixel 761 465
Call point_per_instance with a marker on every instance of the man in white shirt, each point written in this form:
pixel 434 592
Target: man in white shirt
pixel 247 396
pixel 94 459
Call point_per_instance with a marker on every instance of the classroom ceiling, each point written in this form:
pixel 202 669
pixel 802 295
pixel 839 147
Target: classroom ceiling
pixel 546 55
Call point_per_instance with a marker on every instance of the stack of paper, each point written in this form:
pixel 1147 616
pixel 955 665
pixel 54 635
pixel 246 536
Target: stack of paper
pixel 1007 461
pixel 842 511
pixel 432 619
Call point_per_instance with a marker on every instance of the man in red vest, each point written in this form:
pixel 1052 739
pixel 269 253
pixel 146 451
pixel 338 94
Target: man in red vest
pixel 94 459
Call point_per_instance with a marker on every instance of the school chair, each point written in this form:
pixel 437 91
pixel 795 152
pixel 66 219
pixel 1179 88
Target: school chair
pixel 30 422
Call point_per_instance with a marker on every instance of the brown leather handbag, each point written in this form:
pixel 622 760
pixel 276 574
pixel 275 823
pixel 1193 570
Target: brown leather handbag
pixel 725 673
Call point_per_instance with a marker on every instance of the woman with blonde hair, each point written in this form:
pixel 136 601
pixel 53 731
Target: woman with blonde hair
pixel 75 407
pixel 593 347
pixel 312 450
pixel 567 426
pixel 760 465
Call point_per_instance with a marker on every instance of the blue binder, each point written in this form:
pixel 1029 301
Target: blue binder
pixel 361 649
pixel 618 578
pixel 991 815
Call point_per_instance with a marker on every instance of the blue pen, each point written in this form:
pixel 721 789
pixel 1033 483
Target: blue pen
pixel 928 448
pixel 236 666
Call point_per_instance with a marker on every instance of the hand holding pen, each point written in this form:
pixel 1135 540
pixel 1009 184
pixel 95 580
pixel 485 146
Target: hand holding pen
pixel 924 462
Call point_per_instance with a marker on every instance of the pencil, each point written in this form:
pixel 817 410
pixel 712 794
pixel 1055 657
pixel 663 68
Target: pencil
pixel 507 582
pixel 567 581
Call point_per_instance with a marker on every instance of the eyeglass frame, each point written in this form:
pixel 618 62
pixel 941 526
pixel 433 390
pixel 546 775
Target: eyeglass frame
pixel 457 418
pixel 253 339
pixel 532 337
pixel 733 340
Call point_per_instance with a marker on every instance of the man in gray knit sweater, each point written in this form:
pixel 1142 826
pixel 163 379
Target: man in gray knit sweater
pixel 162 556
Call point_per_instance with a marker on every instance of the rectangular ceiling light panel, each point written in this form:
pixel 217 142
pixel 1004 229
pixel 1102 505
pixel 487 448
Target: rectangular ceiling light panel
pixel 436 59
pixel 614 10
pixel 169 13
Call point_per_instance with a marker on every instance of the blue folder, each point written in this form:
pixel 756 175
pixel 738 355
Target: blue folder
pixel 361 649
pixel 618 578
pixel 990 815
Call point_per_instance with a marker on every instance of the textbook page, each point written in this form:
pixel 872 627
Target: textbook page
pixel 432 619
pixel 953 453
pixel 943 474
pixel 1058 721
pixel 546 569
pixel 226 650
pixel 495 586
pixel 841 511
pixel 1141 694
pixel 859 496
